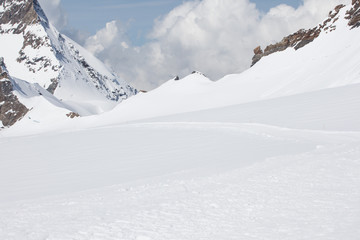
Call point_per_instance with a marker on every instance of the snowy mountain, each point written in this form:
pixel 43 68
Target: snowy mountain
pixel 35 52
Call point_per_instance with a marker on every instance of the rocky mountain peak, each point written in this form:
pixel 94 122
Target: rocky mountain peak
pixel 21 13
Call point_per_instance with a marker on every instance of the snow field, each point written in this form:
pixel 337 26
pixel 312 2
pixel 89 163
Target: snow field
pixel 264 183
pixel 73 161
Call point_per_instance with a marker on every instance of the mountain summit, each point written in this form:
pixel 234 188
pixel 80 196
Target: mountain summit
pixel 38 56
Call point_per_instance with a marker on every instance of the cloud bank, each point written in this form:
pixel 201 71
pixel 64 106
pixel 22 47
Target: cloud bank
pixel 215 37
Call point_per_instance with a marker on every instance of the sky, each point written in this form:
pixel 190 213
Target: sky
pixel 137 15
pixel 147 42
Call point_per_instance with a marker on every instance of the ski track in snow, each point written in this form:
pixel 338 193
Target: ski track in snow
pixel 305 189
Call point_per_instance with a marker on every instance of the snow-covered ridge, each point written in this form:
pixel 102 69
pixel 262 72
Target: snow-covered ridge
pixel 303 37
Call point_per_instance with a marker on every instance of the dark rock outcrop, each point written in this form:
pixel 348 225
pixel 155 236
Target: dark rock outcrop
pixel 199 73
pixel 353 15
pixel 21 13
pixel 11 109
pixel 299 39
pixel 72 115
pixel 258 54
pixel 52 87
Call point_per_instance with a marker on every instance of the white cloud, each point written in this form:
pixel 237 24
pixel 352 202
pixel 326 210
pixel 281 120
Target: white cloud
pixel 103 39
pixel 54 12
pixel 213 36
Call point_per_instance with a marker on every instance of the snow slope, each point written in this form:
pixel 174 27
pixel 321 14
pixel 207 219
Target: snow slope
pixel 181 181
pixel 40 101
pixel 333 109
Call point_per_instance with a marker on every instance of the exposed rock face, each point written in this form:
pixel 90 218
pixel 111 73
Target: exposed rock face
pixel 258 54
pixel 11 109
pixel 299 39
pixel 21 13
pixel 353 15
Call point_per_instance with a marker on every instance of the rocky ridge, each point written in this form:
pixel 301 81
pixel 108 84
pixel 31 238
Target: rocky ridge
pixel 353 15
pixel 11 109
pixel 303 37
